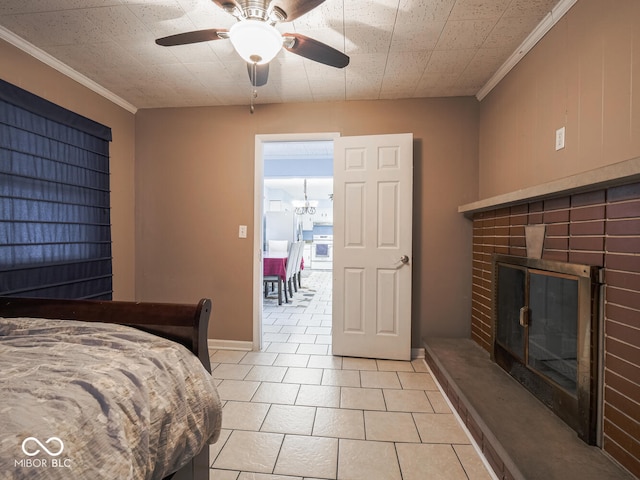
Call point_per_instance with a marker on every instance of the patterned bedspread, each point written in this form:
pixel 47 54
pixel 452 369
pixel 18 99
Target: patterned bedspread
pixel 82 400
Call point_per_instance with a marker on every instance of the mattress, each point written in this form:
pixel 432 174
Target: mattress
pixel 99 401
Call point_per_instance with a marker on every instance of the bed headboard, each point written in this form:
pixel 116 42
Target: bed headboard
pixel 183 323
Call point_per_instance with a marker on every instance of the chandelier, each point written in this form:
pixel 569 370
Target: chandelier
pixel 306 206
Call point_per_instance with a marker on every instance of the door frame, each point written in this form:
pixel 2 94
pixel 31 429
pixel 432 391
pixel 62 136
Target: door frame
pixel 258 212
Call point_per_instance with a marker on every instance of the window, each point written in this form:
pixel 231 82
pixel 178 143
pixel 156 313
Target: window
pixel 55 232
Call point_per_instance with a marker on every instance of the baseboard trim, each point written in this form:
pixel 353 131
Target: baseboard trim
pixel 216 344
pixel 417 353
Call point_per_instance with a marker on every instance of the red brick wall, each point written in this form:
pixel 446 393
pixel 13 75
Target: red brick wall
pixel 599 228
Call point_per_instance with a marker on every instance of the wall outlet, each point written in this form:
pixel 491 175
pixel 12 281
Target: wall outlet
pixel 560 139
pixel 242 231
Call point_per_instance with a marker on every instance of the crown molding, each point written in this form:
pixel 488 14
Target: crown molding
pixel 534 37
pixel 56 64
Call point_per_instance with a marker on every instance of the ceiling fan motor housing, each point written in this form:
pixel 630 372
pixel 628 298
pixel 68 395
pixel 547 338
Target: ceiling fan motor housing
pixel 255 10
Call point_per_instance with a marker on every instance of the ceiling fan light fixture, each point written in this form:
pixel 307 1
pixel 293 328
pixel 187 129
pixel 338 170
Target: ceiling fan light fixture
pixel 255 41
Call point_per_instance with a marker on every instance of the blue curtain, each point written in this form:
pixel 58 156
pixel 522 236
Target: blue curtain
pixel 55 228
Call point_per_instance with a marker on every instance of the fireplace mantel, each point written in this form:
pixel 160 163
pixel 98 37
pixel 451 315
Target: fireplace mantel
pixel 604 177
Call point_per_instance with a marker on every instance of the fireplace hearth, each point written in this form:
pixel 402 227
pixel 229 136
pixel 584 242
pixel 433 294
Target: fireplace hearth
pixel 546 335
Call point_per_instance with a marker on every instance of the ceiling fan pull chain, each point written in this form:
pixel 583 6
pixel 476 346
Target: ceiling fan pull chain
pixel 254 95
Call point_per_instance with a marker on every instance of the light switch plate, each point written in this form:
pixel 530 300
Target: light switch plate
pixel 560 138
pixel 242 231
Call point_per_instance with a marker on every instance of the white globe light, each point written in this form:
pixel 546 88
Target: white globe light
pixel 255 41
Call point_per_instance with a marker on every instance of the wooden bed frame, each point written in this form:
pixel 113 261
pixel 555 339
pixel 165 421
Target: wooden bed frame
pixel 182 323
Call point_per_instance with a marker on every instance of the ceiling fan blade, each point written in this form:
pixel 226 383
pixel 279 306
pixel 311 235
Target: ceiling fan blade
pixel 191 37
pixel 258 74
pixel 295 8
pixel 315 50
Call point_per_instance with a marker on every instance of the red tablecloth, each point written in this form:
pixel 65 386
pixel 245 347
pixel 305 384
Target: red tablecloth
pixel 277 266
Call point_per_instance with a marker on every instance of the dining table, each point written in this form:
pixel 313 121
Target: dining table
pixel 275 264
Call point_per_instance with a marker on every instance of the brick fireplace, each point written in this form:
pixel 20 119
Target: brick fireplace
pixel 599 228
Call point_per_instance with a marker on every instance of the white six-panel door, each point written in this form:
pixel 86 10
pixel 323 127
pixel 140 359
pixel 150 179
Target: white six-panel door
pixel 373 193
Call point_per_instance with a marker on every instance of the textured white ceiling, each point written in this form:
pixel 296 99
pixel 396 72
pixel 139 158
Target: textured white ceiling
pixel 398 48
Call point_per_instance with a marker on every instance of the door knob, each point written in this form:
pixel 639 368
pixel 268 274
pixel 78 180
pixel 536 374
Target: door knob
pixel 404 259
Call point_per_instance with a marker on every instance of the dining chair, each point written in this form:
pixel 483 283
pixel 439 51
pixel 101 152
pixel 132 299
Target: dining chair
pixel 297 275
pixel 290 271
pixel 278 246
pixel 284 285
pixel 272 280
pixel 295 258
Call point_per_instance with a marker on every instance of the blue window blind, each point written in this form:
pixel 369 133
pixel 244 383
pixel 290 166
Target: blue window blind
pixel 55 228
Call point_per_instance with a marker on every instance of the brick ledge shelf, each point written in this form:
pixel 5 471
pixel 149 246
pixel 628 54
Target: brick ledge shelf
pixel 519 436
pixel 612 175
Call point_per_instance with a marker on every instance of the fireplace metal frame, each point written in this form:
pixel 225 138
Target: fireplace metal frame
pixel 580 411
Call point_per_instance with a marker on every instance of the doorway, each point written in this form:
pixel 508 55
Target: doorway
pixel 294 186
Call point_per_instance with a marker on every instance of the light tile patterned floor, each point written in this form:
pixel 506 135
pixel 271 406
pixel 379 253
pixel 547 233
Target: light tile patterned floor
pixel 294 411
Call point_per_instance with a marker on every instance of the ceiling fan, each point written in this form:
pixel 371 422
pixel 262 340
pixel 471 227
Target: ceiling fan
pixel 256 39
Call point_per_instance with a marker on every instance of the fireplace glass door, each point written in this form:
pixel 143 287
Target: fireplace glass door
pixel 512 301
pixel 545 334
pixel 553 328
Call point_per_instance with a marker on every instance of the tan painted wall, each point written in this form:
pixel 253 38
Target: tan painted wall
pixel 584 75
pixel 194 186
pixel 26 72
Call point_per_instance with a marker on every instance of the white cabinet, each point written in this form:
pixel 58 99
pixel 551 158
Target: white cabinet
pixel 306 254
